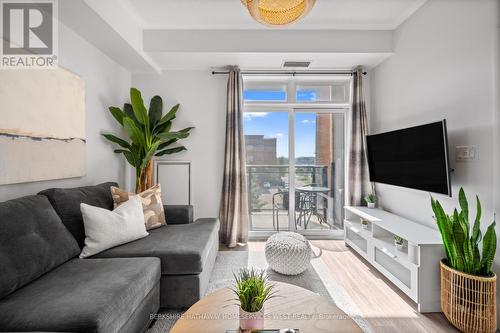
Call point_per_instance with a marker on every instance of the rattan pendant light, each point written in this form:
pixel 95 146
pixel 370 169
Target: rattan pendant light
pixel 278 12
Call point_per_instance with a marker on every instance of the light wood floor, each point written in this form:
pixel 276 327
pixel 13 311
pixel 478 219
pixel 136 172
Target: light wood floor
pixel 384 307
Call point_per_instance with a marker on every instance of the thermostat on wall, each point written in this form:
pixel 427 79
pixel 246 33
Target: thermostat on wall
pixel 465 153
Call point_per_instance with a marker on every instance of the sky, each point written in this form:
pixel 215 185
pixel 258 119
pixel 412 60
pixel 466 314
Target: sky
pixel 275 125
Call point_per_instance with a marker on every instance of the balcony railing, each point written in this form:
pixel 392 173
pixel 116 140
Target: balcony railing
pixel 266 180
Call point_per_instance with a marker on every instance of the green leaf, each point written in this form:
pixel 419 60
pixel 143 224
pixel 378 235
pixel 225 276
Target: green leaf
pixel 167 143
pixel 477 258
pixel 130 158
pixel 128 155
pixel 476 237
pixel 489 249
pixel 467 247
pixel 476 231
pixel 170 151
pixel 160 136
pixel 138 153
pixel 149 155
pixel 138 107
pixel 155 110
pixel 129 112
pixel 172 135
pixel 117 114
pixel 169 116
pixel 459 236
pixel 186 130
pixel 133 131
pixel 445 228
pixel 462 200
pixel 117 140
pixel 162 128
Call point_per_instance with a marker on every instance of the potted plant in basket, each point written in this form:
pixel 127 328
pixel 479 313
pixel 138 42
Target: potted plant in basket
pixel 370 200
pixel 399 242
pixel 468 284
pixel 253 290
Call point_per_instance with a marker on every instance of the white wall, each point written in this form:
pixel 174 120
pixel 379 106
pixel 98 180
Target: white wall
pixel 203 104
pixel 106 83
pixel 443 67
pixel 496 165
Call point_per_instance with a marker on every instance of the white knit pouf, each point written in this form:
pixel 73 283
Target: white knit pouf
pixel 288 253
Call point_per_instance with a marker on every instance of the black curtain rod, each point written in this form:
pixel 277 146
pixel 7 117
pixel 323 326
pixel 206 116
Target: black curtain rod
pixel 287 73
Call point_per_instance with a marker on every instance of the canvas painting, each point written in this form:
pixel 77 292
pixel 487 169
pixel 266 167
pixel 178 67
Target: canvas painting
pixel 42 125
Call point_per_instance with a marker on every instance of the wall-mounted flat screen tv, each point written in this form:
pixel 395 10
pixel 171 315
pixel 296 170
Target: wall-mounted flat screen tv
pixel 414 157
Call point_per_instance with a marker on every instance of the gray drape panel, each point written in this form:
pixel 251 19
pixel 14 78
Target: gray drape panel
pixel 233 214
pixel 359 182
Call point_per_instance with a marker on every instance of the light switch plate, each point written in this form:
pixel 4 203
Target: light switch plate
pixel 465 153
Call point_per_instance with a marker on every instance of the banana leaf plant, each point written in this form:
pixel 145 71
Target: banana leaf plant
pixel 461 242
pixel 149 134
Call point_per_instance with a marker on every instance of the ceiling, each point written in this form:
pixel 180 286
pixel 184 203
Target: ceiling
pixel 155 35
pixel 319 61
pixel 231 14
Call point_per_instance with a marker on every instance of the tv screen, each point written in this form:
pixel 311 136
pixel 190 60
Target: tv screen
pixel 415 157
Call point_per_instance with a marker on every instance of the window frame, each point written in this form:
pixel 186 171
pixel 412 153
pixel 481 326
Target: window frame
pixel 292 106
pixel 290 83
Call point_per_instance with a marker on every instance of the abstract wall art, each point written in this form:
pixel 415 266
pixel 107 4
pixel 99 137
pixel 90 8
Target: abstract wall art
pixel 42 125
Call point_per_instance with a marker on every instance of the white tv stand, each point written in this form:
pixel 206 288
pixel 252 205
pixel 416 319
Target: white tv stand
pixel 415 269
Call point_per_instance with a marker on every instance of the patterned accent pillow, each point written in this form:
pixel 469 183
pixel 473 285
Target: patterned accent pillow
pixel 154 215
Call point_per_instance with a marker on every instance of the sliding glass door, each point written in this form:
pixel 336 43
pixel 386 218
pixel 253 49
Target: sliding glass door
pixel 318 170
pixel 295 169
pixel 295 153
pixel 267 158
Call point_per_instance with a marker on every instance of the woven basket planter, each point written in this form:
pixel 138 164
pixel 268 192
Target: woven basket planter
pixel 469 301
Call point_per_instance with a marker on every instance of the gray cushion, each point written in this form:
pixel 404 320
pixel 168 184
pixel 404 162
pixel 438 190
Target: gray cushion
pixel 82 295
pixel 178 214
pixel 182 249
pixel 66 202
pixel 141 319
pixel 32 242
pixel 182 291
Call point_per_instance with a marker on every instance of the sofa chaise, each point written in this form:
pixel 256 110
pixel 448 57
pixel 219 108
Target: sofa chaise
pixel 45 287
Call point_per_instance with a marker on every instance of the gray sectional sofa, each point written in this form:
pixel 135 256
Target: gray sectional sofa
pixel 44 287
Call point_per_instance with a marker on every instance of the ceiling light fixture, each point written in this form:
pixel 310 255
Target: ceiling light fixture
pixel 278 12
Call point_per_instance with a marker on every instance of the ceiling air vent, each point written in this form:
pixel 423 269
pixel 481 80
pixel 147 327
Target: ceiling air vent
pixel 296 64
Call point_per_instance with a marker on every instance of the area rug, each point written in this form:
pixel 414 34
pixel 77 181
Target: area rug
pixel 316 278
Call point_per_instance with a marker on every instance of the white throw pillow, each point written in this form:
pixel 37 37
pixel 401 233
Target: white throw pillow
pixel 105 229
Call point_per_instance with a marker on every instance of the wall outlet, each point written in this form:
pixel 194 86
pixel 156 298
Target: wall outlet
pixel 465 153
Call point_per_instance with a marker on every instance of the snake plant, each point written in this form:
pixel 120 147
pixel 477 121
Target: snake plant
pixel 149 132
pixel 461 242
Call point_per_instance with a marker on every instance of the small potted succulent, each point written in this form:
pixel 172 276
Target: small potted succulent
pixel 253 290
pixel 398 242
pixel 370 200
pixel 364 223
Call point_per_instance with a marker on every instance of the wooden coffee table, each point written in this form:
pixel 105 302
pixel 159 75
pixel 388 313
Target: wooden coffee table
pixel 294 307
